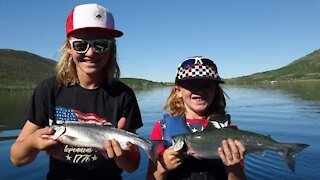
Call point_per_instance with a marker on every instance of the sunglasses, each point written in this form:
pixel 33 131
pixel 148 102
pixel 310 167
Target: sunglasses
pixel 191 62
pixel 99 45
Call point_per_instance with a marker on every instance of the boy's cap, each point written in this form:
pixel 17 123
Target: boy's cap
pixel 197 67
pixel 91 16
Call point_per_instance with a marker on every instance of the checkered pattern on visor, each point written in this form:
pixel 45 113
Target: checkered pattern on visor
pixel 197 70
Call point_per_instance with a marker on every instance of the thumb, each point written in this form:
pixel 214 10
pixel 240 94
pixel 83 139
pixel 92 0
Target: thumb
pixel 47 130
pixel 122 123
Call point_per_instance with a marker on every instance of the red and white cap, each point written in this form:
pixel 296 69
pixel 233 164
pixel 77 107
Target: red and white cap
pixel 91 16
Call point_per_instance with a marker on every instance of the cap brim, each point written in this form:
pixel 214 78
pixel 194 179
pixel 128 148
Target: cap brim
pixel 198 78
pixel 114 33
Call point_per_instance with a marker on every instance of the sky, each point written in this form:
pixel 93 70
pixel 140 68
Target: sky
pixel 243 37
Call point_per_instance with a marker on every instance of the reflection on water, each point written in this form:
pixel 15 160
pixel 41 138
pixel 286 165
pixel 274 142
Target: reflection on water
pixel 308 90
pixel 12 107
pixel 288 112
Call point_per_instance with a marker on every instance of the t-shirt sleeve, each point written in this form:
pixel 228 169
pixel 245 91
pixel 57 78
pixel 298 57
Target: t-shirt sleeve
pixel 37 110
pixel 132 112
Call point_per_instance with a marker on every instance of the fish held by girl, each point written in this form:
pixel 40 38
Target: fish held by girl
pixel 204 144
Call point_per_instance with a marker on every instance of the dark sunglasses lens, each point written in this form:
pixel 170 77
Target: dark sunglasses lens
pixel 188 63
pixel 101 46
pixel 80 45
pixel 208 62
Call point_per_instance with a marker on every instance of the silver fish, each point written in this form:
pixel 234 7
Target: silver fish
pixel 81 134
pixel 205 144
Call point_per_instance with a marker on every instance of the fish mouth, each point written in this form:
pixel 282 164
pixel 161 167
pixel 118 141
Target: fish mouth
pixel 177 145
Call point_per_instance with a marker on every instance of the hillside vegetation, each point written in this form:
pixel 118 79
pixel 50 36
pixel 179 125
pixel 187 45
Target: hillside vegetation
pixel 24 70
pixel 21 70
pixel 305 68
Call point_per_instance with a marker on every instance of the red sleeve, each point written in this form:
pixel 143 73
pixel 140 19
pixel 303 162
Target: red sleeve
pixel 156 134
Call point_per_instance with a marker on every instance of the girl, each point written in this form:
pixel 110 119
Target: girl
pixel 86 88
pixel 196 102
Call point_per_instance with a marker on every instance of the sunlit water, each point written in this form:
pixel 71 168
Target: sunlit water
pixel 289 113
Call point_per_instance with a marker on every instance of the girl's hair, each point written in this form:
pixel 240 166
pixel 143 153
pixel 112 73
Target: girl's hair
pixel 66 72
pixel 174 105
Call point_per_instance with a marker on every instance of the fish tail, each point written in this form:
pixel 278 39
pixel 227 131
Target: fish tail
pixel 289 152
pixel 153 149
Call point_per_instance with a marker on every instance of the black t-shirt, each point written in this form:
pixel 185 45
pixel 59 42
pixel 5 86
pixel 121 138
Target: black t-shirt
pixel 106 104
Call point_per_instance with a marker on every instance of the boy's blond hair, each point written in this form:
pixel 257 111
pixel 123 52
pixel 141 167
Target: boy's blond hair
pixel 66 72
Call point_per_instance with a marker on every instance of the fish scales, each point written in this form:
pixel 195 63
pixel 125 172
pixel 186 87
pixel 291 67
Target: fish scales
pixel 81 134
pixel 205 144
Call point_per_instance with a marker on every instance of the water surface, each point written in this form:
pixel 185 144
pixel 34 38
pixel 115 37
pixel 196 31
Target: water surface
pixel 288 112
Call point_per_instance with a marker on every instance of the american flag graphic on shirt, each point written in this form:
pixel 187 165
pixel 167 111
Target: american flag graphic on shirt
pixel 65 114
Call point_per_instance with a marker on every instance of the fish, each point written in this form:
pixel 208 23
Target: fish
pixel 80 134
pixel 204 145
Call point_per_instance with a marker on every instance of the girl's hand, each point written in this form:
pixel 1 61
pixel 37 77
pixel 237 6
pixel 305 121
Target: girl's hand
pixel 171 159
pixel 231 152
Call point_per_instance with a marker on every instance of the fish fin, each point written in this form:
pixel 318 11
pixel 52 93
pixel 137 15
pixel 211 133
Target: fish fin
pixel 194 155
pixel 69 138
pixel 289 152
pixel 56 135
pixel 152 151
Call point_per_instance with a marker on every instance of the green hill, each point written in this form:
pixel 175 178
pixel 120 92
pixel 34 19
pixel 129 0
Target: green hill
pixel 305 68
pixel 142 83
pixel 23 70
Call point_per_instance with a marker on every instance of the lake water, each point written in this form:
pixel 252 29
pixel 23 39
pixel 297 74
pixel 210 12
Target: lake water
pixel 288 112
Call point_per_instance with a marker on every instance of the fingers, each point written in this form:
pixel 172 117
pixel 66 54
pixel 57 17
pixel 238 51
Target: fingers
pixel 113 148
pixel 241 148
pixel 46 133
pixel 172 159
pixel 172 152
pixel 131 147
pixel 121 123
pixel 231 152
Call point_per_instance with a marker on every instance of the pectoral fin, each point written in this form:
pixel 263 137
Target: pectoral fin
pixel 67 138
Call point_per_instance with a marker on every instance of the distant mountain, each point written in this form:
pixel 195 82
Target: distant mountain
pixel 23 70
pixel 142 83
pixel 305 68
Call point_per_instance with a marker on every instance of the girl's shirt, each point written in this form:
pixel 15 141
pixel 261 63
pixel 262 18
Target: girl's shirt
pixel 192 168
pixel 106 104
